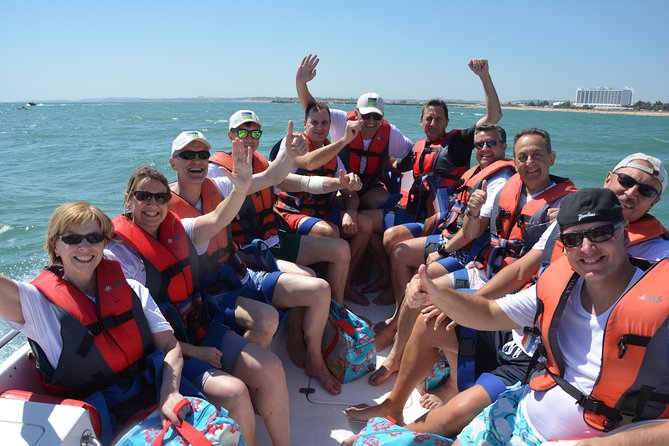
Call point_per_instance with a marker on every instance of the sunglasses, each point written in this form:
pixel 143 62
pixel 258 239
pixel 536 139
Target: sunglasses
pixel 490 143
pixel 596 235
pixel 243 133
pixel 160 197
pixel 627 182
pixel 370 116
pixel 75 239
pixel 190 155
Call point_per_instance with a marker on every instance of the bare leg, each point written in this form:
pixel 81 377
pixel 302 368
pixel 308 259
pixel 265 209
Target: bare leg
pixel 324 229
pixel 314 296
pixel 223 390
pixel 259 319
pixel 291 267
pixel 374 198
pixel 450 419
pixel 263 372
pixel 391 237
pixel 358 244
pixel 336 253
pixel 420 355
pixel 297 350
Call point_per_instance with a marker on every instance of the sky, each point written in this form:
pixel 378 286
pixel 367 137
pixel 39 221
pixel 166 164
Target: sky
pixel 77 49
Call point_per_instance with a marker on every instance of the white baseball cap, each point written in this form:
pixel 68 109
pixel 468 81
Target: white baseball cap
pixel 658 170
pixel 186 138
pixel 241 116
pixel 370 103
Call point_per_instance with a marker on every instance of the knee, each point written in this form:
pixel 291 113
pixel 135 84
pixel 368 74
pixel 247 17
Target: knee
pixel 324 229
pixel 399 254
pixel 272 369
pixel 393 236
pixel 267 321
pixel 227 391
pixel 342 251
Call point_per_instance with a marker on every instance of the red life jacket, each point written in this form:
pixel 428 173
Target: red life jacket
pixel 221 247
pixel 169 256
pixel 470 181
pixel 632 383
pixel 376 154
pixel 515 231
pixel 256 218
pixel 305 203
pixel 103 341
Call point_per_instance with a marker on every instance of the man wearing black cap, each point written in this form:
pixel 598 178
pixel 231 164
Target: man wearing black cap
pixel 604 328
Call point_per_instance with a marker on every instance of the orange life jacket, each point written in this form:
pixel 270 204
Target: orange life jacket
pixel 376 154
pixel 470 181
pixel 256 218
pixel 221 247
pixel 313 205
pixel 632 383
pixel 102 339
pixel 515 231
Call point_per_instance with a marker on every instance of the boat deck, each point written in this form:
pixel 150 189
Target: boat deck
pixel 318 418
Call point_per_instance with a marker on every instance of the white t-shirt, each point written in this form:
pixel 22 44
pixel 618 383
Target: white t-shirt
pixel 131 262
pixel 580 337
pixel 495 184
pixel 225 186
pixel 43 327
pixel 398 145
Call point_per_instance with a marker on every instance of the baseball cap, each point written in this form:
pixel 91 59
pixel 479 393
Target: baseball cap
pixel 186 138
pixel 241 116
pixel 589 205
pixel 370 103
pixel 658 170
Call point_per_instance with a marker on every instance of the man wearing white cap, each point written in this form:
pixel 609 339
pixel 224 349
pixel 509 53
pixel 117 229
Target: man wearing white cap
pixel 193 193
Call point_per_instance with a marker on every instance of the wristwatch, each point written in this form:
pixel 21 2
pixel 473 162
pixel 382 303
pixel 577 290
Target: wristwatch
pixel 442 251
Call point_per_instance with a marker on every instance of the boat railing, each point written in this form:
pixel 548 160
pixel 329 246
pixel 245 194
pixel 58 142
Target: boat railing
pixel 7 338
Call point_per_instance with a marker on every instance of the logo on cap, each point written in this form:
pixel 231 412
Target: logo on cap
pixel 586 215
pixel 371 102
pixel 247 115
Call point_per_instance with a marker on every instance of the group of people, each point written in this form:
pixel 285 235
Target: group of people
pixel 493 265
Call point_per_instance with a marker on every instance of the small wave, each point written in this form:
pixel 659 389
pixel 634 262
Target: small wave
pixel 663 141
pixel 174 119
pixel 5 228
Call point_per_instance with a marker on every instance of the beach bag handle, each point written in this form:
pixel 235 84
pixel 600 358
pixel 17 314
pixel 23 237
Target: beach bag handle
pixel 186 430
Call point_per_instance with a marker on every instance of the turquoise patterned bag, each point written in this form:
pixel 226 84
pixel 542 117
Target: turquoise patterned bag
pixel 384 432
pixel 348 345
pixel 438 375
pixel 204 426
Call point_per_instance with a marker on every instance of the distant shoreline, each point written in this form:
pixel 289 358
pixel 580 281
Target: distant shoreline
pixel 584 110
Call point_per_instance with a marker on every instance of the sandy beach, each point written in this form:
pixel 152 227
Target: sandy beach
pixel 576 110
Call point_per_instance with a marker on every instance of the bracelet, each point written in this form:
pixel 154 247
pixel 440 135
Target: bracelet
pixel 469 214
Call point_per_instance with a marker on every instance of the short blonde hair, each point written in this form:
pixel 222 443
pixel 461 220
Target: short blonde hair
pixel 72 215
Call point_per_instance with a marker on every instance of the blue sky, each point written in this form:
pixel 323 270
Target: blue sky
pixel 537 50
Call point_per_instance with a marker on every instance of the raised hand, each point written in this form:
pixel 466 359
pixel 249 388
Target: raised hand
pixel 307 69
pixel 477 199
pixel 296 145
pixel 350 181
pixel 242 162
pixel 479 67
pixel 353 127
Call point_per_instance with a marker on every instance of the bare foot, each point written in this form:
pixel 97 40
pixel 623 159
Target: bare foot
pixel 384 338
pixel 440 396
pixel 350 441
pixel 384 372
pixel 323 375
pixel 354 296
pixel 385 298
pixel 363 412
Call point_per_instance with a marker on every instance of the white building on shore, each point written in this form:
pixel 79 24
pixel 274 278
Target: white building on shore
pixel 604 97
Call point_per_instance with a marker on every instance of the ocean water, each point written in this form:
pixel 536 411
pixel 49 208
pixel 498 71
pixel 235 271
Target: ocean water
pixel 57 152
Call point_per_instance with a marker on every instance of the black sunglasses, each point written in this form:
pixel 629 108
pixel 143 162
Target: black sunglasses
pixel 75 239
pixel 490 143
pixel 596 235
pixel 191 154
pixel 159 197
pixel 374 116
pixel 646 190
pixel 243 133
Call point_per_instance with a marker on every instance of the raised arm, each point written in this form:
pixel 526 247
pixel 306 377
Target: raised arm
pixel 10 302
pixel 317 158
pixel 470 310
pixel 493 111
pixel 210 224
pixel 305 73
pixel 280 167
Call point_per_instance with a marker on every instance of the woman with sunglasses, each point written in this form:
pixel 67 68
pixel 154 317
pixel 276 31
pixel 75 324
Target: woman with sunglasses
pixel 78 289
pixel 155 247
